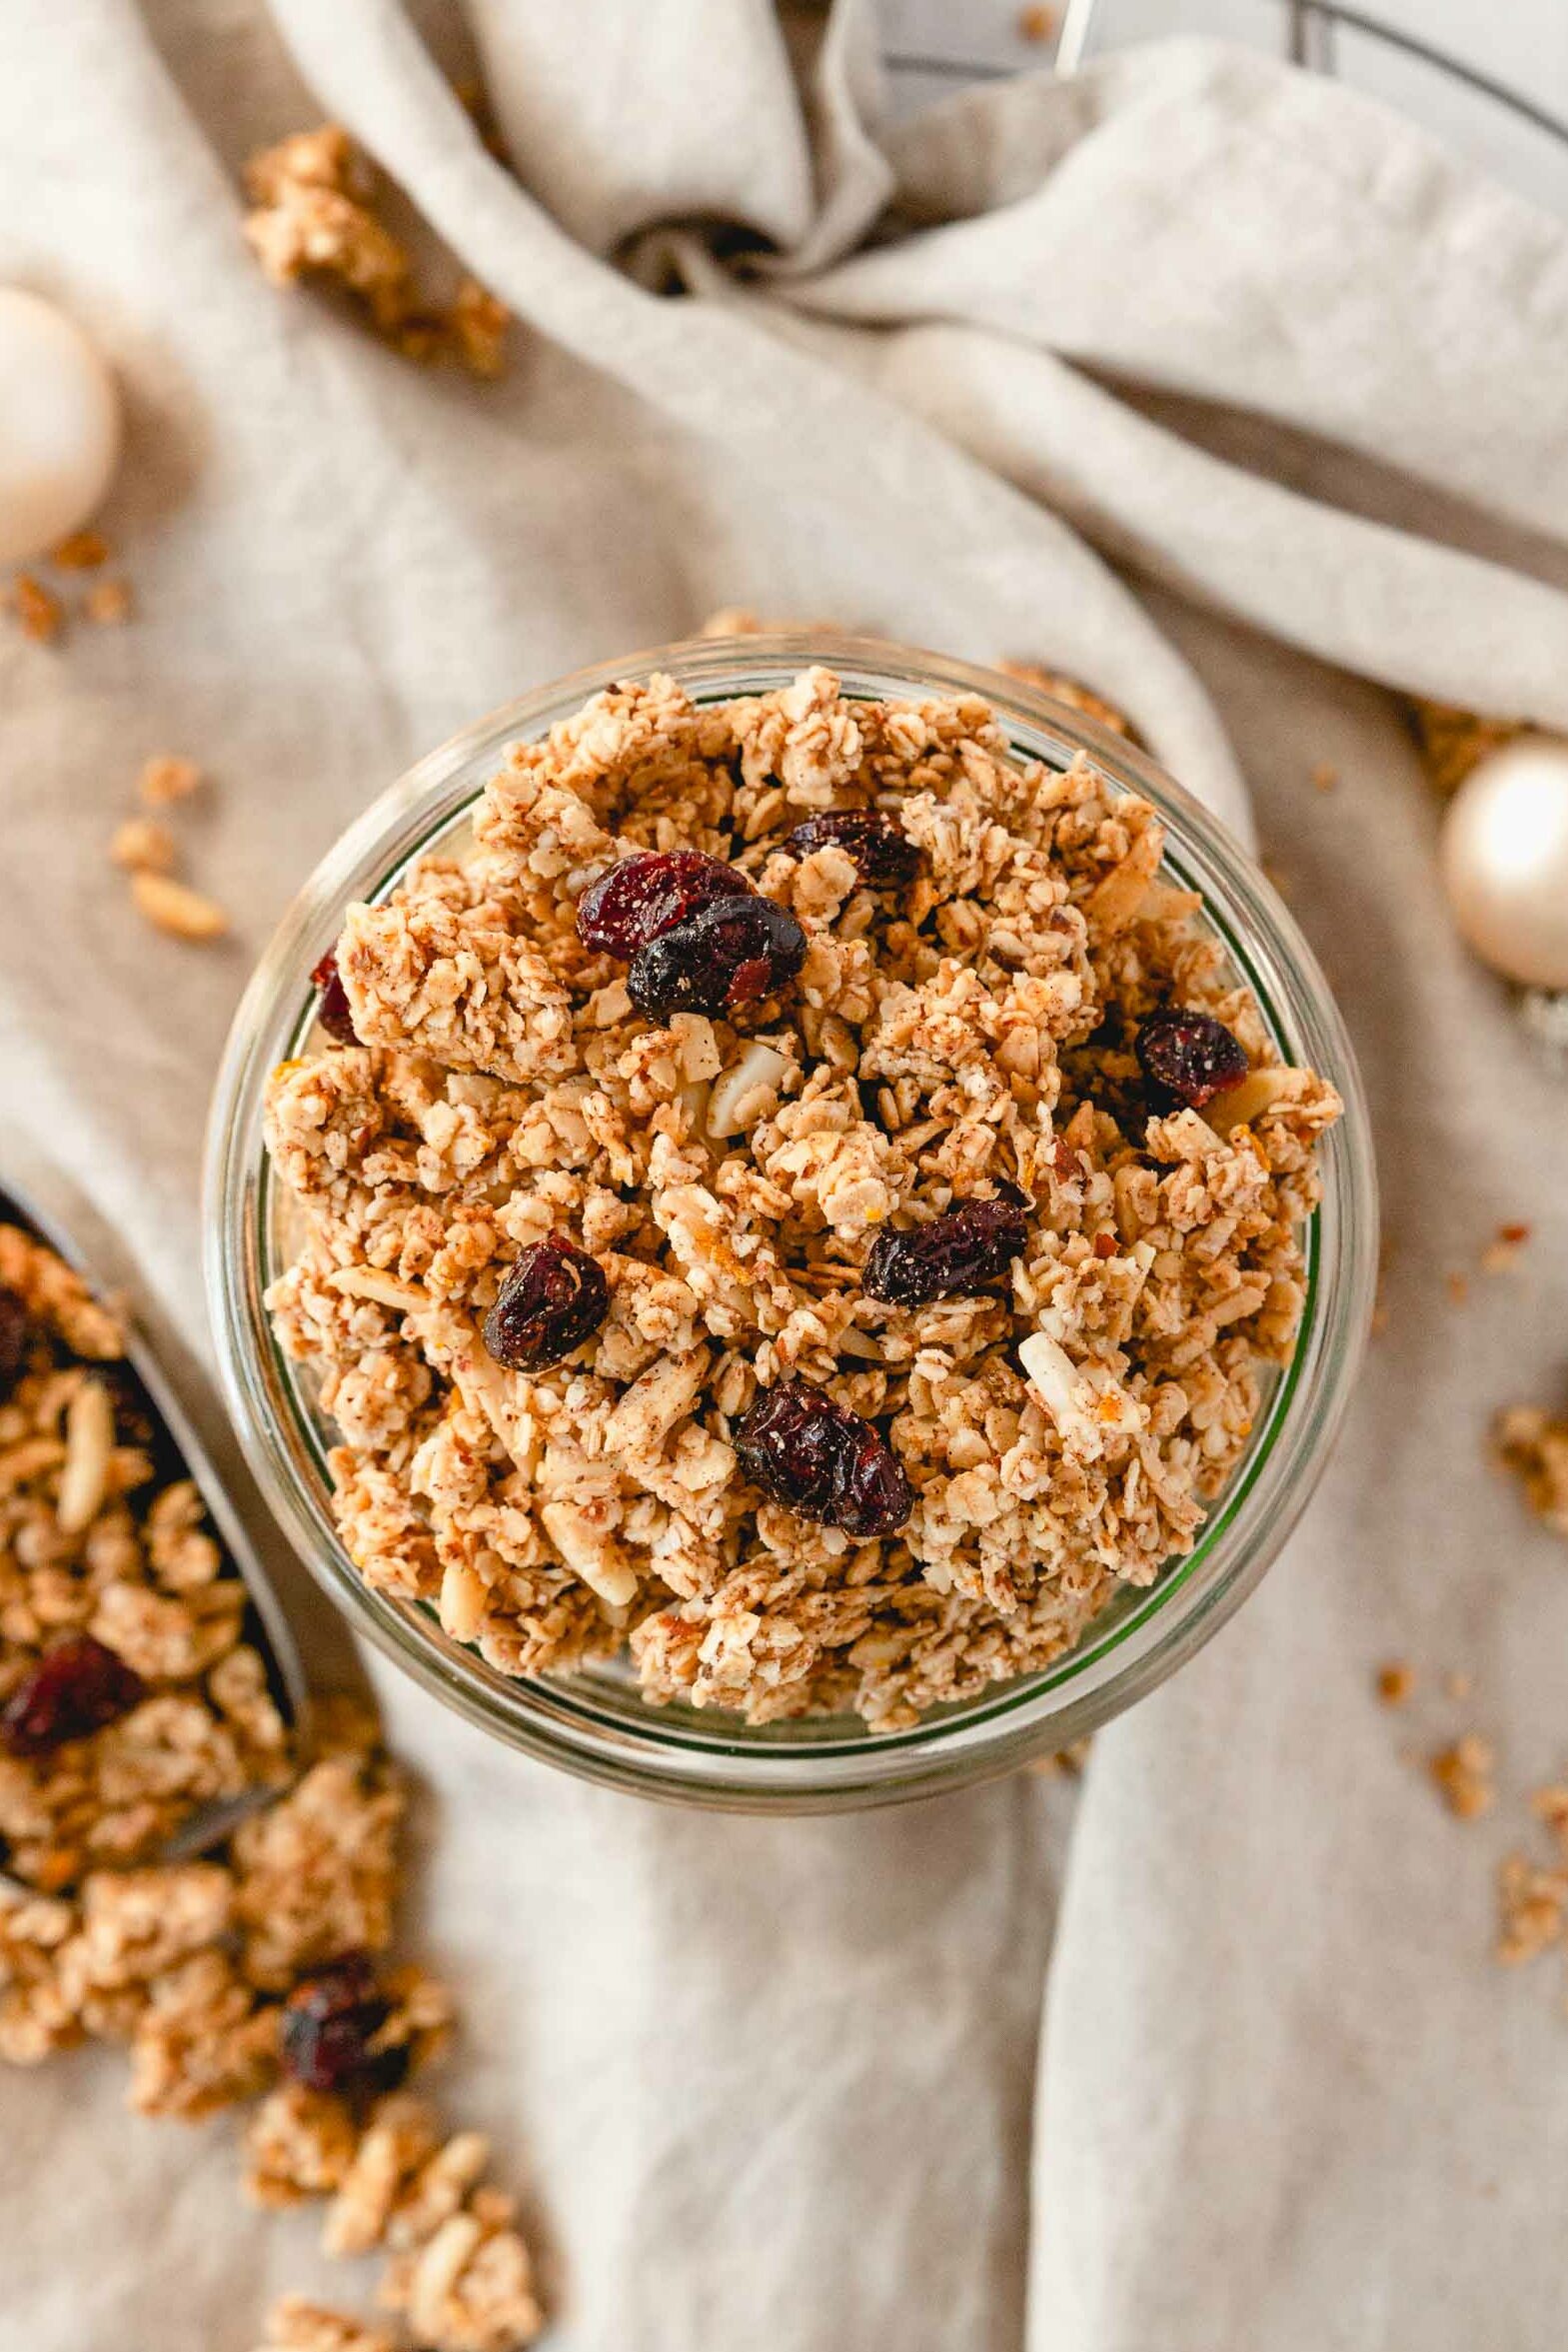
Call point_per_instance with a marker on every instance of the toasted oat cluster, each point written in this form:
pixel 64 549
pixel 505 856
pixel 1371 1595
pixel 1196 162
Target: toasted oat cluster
pixel 941 1188
pixel 315 215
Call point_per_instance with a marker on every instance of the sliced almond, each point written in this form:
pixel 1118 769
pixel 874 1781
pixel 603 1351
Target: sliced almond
pixel 370 1281
pixel 1119 895
pixel 657 1399
pixel 173 908
pixel 1248 1099
pixel 590 1552
pixel 747 1091
pixel 1087 1401
pixel 89 1452
pixel 464 1600
pixel 1053 1376
pixel 862 1344
pixel 1163 902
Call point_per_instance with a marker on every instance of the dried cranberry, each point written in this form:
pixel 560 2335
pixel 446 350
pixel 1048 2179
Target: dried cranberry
pixel 74 1689
pixel 1188 1057
pixel 824 1461
pixel 333 1010
pixel 962 1250
pixel 733 952
pixel 554 1298
pixel 16 1332
pixel 329 2023
pixel 880 849
pixel 647 893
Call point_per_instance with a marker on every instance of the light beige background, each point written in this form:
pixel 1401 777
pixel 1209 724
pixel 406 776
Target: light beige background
pixel 789 2084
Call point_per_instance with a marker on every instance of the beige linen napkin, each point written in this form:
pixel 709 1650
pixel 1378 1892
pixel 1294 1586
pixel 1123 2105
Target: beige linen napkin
pixel 773 2082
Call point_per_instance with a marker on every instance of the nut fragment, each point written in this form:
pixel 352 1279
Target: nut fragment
pixel 1534 1446
pixel 369 1282
pixel 167 776
pixel 172 906
pixel 1239 1105
pixel 84 551
pixel 142 844
pixel 747 1091
pixel 1463 1775
pixel 107 603
pixel 38 610
pixel 89 1448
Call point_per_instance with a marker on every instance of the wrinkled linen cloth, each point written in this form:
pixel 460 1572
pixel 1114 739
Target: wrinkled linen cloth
pixel 1223 389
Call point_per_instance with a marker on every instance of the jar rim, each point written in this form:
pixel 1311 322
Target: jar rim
pixel 816 1763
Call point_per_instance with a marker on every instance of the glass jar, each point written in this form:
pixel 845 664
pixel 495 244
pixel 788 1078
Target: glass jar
pixel 594 1722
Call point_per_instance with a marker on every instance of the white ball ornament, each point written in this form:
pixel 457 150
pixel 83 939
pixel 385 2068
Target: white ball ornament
pixel 59 426
pixel 1504 858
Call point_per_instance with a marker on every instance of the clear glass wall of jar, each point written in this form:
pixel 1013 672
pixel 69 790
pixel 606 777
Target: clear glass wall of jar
pixel 595 1723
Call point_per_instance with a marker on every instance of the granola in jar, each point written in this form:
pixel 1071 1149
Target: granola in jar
pixel 801 1199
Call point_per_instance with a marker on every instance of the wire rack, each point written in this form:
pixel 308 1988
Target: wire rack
pixel 1311 34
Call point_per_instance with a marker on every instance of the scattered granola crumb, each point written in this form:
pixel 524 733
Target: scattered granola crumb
pixel 1463 1775
pixel 1325 777
pixel 141 841
pixel 1457 1686
pixel 1458 1287
pixel 1534 1446
pixel 1037 24
pixel 1451 742
pixel 1396 1682
pixel 176 909
pixel 38 611
pixel 108 603
pixel 1532 1898
pixel 1069 691
pixel 1532 1908
pixel 1067 1762
pixel 167 776
pixel 476 328
pixel 84 551
pixel 1503 1252
pixel 731 621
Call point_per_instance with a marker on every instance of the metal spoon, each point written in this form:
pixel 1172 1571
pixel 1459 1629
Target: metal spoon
pixel 266 1627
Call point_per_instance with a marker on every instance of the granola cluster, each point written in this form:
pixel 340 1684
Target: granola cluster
pixel 967 1031
pixel 315 215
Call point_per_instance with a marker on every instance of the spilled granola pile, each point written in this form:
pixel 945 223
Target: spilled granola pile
pixel 130 1705
pixel 799 1198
